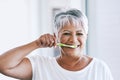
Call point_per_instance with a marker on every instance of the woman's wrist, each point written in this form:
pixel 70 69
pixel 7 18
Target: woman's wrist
pixel 37 43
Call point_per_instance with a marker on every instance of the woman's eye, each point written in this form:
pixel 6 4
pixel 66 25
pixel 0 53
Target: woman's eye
pixel 79 34
pixel 66 34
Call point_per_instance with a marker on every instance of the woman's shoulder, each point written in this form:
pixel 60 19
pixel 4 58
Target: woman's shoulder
pixel 99 61
pixel 38 57
pixel 101 64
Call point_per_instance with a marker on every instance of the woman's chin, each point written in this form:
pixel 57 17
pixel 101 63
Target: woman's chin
pixel 73 54
pixel 71 51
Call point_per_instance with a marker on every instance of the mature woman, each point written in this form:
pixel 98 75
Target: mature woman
pixel 70 35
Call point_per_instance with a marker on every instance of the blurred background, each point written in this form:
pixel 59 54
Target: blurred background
pixel 22 21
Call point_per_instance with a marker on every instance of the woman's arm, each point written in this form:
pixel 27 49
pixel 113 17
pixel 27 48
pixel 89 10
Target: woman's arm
pixel 13 62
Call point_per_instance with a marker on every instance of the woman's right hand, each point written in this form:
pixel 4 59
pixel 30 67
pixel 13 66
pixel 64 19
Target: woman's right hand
pixel 46 40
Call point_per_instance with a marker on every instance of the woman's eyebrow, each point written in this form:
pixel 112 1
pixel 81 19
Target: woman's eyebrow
pixel 66 31
pixel 79 31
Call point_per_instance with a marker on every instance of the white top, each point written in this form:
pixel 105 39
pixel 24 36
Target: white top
pixel 47 68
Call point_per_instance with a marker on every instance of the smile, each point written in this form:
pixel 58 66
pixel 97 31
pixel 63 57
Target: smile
pixel 66 45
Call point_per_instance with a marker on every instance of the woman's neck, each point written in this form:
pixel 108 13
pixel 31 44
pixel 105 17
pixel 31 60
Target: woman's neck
pixel 69 60
pixel 73 63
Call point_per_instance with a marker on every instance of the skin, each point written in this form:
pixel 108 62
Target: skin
pixel 14 63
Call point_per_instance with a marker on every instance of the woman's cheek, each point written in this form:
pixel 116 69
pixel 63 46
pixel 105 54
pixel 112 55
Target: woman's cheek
pixel 63 39
pixel 82 42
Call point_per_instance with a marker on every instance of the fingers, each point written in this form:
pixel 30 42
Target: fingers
pixel 47 40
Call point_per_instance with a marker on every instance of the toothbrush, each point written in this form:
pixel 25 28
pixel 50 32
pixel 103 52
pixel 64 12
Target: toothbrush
pixel 65 45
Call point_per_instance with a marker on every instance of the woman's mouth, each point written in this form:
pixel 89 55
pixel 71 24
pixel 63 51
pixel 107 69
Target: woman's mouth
pixel 68 45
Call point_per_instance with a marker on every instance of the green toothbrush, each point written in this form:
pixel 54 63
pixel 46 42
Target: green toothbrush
pixel 65 45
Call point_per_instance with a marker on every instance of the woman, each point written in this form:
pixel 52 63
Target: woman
pixel 71 29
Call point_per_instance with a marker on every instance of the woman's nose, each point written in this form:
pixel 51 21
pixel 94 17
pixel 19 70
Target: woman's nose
pixel 73 39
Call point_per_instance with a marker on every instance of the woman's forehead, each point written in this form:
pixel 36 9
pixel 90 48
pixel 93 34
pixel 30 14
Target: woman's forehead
pixel 71 27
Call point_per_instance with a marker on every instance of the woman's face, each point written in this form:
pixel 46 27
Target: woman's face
pixel 72 35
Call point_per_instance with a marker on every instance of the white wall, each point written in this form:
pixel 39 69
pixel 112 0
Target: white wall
pixel 14 28
pixel 104 30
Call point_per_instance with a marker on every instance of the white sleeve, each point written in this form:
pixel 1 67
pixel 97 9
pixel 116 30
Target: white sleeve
pixel 32 61
pixel 107 72
pixel 35 61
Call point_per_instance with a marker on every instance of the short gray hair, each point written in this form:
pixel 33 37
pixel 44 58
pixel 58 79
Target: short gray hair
pixel 73 16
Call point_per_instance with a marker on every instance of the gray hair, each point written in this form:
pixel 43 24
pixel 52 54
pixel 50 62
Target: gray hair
pixel 73 16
